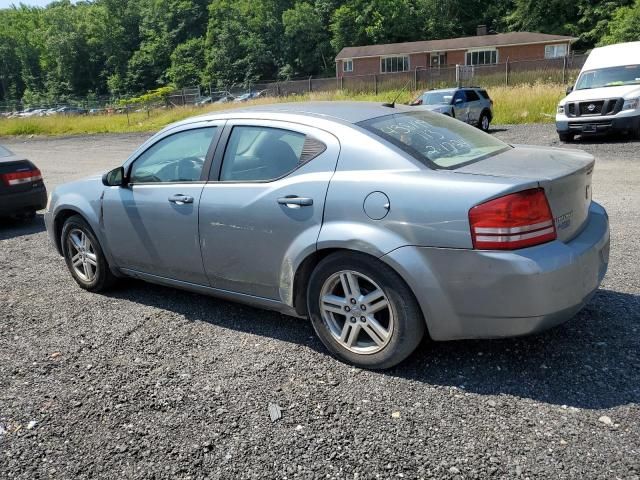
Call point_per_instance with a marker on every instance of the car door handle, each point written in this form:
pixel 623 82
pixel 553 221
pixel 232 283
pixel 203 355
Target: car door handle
pixel 294 201
pixel 180 199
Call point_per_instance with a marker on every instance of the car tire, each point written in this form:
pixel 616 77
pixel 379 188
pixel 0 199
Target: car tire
pixel 484 121
pixel 84 257
pixel 566 137
pixel 376 324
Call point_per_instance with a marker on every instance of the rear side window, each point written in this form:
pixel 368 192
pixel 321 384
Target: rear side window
pixel 255 154
pixel 472 96
pixel 436 140
pixel 484 94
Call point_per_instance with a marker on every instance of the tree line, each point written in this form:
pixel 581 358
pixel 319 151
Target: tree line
pixel 125 47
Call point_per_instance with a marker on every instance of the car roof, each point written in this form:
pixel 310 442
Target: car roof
pixel 344 112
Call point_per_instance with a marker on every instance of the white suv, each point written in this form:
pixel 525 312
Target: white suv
pixel 606 96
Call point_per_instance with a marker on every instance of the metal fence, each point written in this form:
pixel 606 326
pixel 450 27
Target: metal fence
pixel 562 70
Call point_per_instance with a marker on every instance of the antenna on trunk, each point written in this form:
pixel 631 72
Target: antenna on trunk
pixel 393 103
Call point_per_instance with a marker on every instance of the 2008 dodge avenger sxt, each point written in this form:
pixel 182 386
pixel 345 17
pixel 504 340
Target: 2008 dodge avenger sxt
pixel 380 223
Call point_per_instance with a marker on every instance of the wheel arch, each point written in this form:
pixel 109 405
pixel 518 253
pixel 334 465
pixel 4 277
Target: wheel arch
pixel 59 220
pixel 486 111
pixel 307 266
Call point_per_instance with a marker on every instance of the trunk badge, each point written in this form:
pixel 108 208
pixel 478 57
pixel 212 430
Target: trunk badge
pixel 563 221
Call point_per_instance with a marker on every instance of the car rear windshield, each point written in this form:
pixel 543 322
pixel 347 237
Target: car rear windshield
pixel 609 77
pixel 4 152
pixel 434 139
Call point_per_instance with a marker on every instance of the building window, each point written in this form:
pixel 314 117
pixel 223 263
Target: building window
pixel 555 51
pixel 347 65
pixel 482 57
pixel 394 64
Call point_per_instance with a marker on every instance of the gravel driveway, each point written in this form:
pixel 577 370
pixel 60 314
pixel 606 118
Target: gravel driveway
pixel 150 382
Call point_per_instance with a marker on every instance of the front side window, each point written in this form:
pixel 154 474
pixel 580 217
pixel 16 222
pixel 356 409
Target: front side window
pixel 482 57
pixel 177 158
pixel 459 97
pixel 609 77
pixel 555 51
pixel 435 140
pixel 394 64
pixel 261 154
pixel 347 65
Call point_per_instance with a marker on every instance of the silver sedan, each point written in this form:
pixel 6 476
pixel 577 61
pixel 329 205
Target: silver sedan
pixel 382 224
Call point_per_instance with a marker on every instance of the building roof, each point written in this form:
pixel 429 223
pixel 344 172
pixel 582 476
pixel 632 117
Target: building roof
pixel 461 43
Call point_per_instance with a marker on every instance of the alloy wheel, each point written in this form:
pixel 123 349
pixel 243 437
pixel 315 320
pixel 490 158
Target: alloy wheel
pixel 358 313
pixel 83 255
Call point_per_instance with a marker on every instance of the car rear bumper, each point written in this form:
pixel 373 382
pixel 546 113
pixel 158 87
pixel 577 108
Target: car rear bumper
pixel 489 294
pixel 16 203
pixel 622 123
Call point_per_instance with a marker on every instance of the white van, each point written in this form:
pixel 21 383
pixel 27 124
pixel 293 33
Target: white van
pixel 606 96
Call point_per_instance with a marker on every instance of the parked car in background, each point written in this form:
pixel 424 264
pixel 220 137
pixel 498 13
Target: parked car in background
pixel 250 96
pixel 203 101
pixel 378 223
pixel 22 190
pixel 606 95
pixel 471 104
pixel 71 111
pixel 225 99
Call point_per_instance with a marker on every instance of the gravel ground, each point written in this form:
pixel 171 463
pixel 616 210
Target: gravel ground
pixel 149 382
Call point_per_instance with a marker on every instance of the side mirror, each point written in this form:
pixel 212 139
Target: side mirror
pixel 457 101
pixel 114 178
pixel 569 89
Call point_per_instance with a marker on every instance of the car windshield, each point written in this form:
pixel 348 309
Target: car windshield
pixel 435 140
pixel 5 152
pixel 609 77
pixel 442 97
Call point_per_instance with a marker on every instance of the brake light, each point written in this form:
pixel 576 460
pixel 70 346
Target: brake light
pixel 517 220
pixel 19 178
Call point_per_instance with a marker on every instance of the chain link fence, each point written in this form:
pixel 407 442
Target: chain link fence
pixel 562 70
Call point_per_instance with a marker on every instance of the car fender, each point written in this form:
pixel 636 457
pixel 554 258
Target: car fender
pixel 90 211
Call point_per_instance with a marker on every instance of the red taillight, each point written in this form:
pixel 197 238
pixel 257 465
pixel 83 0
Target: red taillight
pixel 19 178
pixel 514 221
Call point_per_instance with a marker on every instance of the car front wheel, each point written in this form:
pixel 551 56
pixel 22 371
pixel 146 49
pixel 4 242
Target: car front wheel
pixel 363 311
pixel 84 257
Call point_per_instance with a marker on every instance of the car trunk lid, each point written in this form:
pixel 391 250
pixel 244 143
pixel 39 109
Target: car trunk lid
pixel 564 174
pixel 15 164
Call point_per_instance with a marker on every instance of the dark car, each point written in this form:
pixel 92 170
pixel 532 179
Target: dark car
pixel 22 191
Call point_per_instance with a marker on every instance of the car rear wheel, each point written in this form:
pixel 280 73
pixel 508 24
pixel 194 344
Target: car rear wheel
pixel 363 311
pixel 484 122
pixel 84 257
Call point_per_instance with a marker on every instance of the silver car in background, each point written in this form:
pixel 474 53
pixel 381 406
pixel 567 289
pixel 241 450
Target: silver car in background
pixel 381 224
pixel 471 105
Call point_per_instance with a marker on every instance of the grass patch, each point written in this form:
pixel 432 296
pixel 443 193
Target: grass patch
pixel 517 104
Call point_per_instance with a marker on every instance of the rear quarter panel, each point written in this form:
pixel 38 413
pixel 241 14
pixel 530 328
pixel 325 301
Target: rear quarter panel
pixel 427 207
